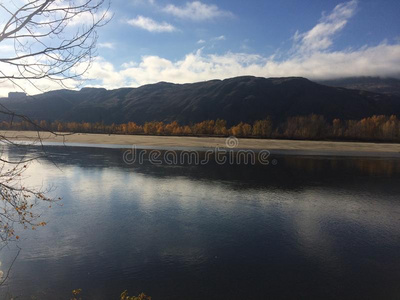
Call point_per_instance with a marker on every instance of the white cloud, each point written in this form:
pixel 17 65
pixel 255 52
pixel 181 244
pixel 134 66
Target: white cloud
pixel 33 86
pixel 104 70
pixel 106 45
pixel 321 36
pixel 381 60
pixel 7 48
pixel 194 67
pixel 143 2
pixel 196 11
pixel 87 18
pixel 129 64
pixel 151 25
pixel 219 38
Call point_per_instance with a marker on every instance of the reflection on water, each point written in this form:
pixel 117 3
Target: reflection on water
pixel 325 228
pixel 371 166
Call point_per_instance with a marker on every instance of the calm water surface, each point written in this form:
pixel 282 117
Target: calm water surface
pixel 306 228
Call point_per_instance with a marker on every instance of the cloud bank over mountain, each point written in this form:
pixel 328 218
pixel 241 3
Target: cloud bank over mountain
pixel 312 54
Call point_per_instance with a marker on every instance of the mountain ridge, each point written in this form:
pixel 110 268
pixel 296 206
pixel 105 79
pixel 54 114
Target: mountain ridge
pixel 389 86
pixel 244 98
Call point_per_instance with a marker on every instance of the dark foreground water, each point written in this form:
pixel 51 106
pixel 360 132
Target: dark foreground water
pixel 306 228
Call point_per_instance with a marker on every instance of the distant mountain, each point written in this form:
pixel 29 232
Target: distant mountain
pixel 390 86
pixel 237 99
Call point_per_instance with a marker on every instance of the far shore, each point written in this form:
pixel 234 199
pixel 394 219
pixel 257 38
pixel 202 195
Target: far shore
pixel 285 147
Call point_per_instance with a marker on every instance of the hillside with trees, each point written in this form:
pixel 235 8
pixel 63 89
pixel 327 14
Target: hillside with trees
pixel 241 99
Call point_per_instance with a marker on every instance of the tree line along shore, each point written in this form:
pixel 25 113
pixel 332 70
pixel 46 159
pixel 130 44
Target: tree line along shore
pixel 312 127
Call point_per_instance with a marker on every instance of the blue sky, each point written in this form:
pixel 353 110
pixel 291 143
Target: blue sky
pixel 148 41
pixel 256 27
pixel 181 41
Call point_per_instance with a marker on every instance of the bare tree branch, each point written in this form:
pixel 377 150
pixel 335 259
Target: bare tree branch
pixel 52 39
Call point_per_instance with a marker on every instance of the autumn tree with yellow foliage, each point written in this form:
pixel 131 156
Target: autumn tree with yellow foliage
pixel 312 127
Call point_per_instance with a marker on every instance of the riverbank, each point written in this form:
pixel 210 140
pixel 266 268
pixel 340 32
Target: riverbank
pixel 286 147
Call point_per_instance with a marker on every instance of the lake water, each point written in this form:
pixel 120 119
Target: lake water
pixel 304 228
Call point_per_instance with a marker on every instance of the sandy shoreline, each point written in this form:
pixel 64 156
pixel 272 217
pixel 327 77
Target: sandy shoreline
pixel 285 147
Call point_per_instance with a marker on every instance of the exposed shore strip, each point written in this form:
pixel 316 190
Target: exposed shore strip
pixel 285 147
